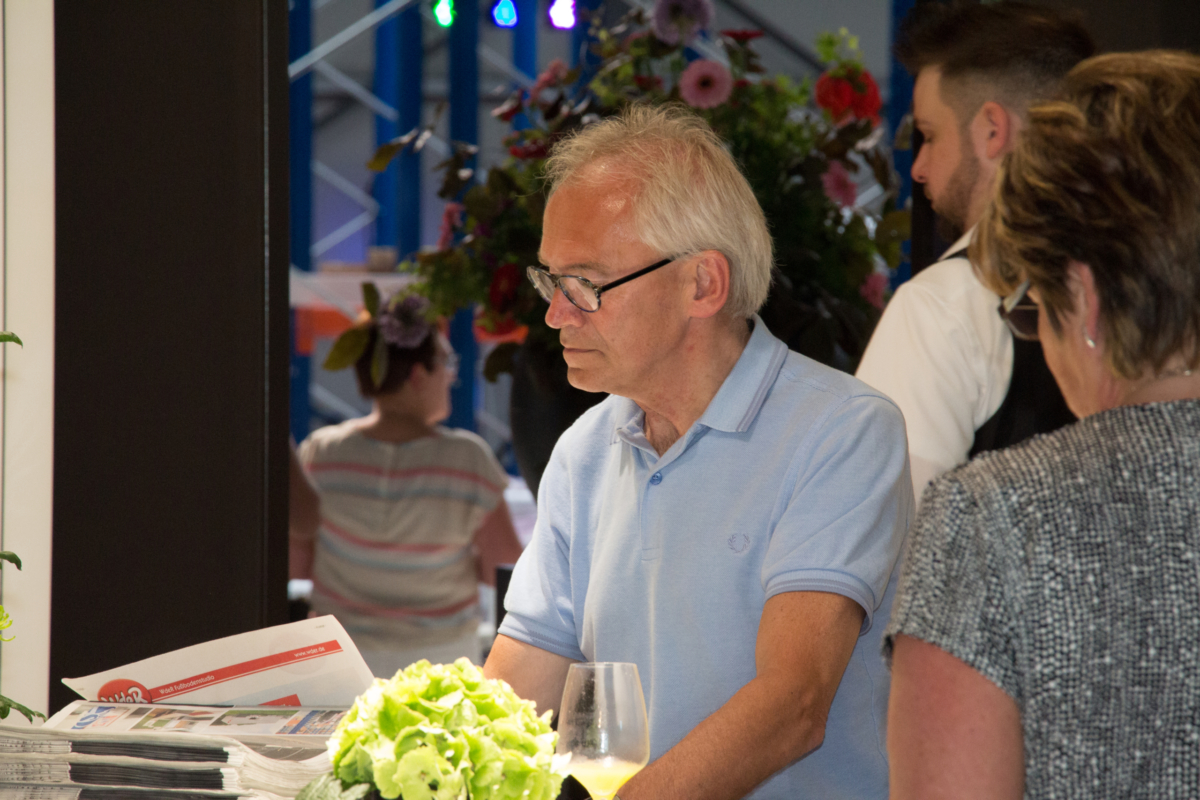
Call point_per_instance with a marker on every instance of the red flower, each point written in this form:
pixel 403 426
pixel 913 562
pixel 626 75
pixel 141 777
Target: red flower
pixel 835 95
pixel 647 83
pixel 741 37
pixel 503 290
pixel 531 150
pixel 705 84
pixel 867 103
pixel 741 83
pixel 874 289
pixel 452 219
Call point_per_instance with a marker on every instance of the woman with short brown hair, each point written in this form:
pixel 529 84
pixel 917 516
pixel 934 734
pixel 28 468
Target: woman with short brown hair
pixel 1045 639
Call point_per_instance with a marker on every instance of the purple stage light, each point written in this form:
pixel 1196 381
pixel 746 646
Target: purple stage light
pixel 562 14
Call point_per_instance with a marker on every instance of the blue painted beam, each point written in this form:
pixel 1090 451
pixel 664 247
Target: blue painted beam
pixel 464 127
pixel 524 41
pixel 524 48
pixel 581 40
pixel 899 103
pixel 300 195
pixel 398 60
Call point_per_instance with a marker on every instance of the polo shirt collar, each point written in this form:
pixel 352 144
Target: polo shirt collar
pixel 740 397
pixel 744 391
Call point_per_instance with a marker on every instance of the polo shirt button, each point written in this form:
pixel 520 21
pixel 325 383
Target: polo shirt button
pixel 656 478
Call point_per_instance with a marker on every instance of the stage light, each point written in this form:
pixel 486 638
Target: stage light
pixel 504 14
pixel 443 12
pixel 562 14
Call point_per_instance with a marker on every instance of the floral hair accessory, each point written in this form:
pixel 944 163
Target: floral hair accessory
pixel 402 321
pixel 403 324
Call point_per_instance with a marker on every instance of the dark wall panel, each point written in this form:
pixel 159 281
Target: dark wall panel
pixel 172 342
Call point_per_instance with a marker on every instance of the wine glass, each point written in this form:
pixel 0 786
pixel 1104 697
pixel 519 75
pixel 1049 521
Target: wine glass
pixel 602 731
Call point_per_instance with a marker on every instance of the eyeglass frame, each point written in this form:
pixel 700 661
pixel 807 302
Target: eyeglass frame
pixel 597 289
pixel 1011 304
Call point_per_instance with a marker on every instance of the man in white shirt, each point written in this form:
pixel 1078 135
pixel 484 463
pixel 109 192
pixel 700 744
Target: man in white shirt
pixel 941 350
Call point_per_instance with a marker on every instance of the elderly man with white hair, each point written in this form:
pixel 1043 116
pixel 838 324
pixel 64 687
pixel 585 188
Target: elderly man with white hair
pixel 730 518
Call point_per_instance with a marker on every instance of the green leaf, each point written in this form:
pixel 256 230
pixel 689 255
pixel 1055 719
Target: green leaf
pixel 9 336
pixel 348 349
pixel 8 704
pixel 389 150
pixel 11 558
pixel 379 362
pixel 371 298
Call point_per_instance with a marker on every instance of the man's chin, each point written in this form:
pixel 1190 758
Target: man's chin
pixel 586 380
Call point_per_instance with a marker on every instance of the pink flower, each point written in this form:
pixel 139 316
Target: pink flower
pixel 873 289
pixel 555 71
pixel 838 185
pixel 705 84
pixel 452 216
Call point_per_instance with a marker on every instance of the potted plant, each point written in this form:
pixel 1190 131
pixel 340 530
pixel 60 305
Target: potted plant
pixel 800 145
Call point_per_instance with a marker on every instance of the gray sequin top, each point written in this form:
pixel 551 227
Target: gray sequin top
pixel 1066 570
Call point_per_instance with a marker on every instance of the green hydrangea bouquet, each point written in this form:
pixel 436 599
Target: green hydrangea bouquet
pixel 438 732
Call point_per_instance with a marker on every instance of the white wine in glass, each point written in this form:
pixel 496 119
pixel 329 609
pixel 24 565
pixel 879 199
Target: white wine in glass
pixel 602 728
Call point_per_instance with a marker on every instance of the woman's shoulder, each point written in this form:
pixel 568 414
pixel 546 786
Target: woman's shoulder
pixel 333 438
pixel 463 449
pixel 1090 456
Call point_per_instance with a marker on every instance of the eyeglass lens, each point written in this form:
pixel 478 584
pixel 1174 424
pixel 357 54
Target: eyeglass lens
pixel 578 292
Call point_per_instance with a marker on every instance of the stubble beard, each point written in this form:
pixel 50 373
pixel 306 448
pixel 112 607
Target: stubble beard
pixel 954 205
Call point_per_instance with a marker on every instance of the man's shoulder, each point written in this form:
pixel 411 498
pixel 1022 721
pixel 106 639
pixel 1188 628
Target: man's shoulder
pixel 951 281
pixel 803 380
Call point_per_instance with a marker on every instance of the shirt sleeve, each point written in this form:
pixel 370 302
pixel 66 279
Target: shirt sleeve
pixel 539 607
pixel 926 358
pixel 952 588
pixel 843 525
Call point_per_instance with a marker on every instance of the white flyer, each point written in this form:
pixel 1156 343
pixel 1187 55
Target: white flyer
pixel 308 663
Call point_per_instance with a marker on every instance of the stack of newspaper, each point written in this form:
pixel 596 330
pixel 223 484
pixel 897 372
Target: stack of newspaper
pixel 291 685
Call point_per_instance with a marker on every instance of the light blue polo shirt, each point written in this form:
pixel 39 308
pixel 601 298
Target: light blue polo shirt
pixel 794 479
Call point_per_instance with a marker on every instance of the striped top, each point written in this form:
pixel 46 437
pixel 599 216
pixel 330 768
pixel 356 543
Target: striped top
pixel 395 555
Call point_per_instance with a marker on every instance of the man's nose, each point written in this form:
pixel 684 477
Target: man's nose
pixel 919 165
pixel 562 313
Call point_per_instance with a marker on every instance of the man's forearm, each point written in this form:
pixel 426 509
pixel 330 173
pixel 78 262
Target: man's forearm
pixel 763 728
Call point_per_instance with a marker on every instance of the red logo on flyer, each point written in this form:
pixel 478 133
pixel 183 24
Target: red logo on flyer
pixel 123 690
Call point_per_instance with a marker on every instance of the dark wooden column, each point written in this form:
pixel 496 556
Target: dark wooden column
pixel 170 443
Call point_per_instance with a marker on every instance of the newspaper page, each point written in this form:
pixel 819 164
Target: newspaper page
pixel 308 663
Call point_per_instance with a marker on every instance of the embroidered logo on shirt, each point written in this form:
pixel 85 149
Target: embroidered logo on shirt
pixel 738 542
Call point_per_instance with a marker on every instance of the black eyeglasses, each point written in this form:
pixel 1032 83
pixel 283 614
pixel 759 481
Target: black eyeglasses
pixel 1020 313
pixel 582 293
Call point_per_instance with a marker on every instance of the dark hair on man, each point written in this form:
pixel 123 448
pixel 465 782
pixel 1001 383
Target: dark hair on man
pixel 401 361
pixel 1018 51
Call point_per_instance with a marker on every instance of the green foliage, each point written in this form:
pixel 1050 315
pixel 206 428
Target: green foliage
pixel 785 144
pixel 7 704
pixel 435 732
pixel 6 336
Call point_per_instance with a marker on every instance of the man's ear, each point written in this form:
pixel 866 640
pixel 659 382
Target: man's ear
pixel 994 131
pixel 711 284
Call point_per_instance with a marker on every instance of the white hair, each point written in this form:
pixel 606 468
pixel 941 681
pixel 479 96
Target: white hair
pixel 690 195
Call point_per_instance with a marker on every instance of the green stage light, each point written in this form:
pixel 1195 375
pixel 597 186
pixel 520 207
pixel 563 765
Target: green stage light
pixel 443 11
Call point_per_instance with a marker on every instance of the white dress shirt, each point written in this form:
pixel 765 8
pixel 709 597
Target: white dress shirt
pixel 944 355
